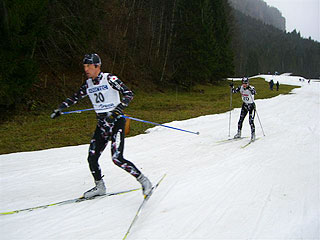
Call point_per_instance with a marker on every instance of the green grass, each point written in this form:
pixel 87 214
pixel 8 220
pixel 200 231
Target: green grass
pixel 35 130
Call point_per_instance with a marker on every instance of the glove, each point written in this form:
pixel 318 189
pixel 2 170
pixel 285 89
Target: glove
pixel 231 85
pixel 56 113
pixel 115 113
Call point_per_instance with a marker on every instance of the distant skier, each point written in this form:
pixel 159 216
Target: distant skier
pixel 271 83
pixel 277 85
pixel 104 91
pixel 247 92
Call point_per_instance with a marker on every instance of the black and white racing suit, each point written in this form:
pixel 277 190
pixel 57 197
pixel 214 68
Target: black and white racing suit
pixel 248 105
pixel 104 93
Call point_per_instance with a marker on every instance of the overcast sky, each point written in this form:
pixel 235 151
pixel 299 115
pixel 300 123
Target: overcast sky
pixel 302 15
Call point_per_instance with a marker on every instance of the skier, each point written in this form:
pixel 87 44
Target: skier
pixel 104 91
pixel 271 83
pixel 247 93
pixel 277 85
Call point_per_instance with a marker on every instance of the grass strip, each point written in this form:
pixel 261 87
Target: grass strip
pixel 35 130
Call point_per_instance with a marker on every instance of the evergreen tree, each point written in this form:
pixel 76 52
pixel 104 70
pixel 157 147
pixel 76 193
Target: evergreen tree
pixel 223 18
pixel 201 44
pixel 21 28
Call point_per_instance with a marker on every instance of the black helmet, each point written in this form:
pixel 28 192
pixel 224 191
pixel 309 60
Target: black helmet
pixel 92 58
pixel 245 80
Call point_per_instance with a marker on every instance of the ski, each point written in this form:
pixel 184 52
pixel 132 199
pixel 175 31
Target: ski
pixel 246 145
pixel 145 199
pixel 231 139
pixel 75 200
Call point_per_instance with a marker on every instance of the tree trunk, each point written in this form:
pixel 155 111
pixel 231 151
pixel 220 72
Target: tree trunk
pixel 169 42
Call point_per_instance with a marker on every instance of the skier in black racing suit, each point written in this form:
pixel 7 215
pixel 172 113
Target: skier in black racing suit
pixel 104 91
pixel 247 92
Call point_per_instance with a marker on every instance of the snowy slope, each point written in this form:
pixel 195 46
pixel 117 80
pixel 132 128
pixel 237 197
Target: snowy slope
pixel 282 79
pixel 213 190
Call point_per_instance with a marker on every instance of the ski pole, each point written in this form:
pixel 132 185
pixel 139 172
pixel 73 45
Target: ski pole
pixel 78 111
pixel 158 124
pixel 260 122
pixel 136 119
pixel 230 111
pixel 255 108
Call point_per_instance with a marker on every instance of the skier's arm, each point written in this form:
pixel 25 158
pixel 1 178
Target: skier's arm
pixel 235 90
pixel 127 96
pixel 82 92
pixel 117 84
pixel 252 90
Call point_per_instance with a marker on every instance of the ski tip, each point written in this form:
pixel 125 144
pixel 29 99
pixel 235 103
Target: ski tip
pixel 7 213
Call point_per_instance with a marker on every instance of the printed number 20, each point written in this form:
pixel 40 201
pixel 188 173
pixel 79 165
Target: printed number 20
pixel 99 97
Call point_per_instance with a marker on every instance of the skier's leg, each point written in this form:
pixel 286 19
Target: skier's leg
pixel 117 147
pixel 243 114
pixel 97 145
pixel 251 122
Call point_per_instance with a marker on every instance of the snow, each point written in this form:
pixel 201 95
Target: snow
pixel 284 78
pixel 213 190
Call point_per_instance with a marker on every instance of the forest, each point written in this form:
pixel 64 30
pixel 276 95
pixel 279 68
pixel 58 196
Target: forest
pixel 151 44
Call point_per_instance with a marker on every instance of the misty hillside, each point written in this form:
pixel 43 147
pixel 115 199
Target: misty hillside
pixel 258 9
pixel 262 48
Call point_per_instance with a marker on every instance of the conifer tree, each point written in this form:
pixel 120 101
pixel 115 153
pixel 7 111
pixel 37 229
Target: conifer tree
pixel 202 50
pixel 20 30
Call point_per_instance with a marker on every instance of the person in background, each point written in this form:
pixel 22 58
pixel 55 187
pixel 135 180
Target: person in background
pixel 271 83
pixel 247 93
pixel 104 91
pixel 277 85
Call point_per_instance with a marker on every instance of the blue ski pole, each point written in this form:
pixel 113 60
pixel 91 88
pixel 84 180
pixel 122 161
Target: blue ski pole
pixel 158 124
pixel 135 119
pixel 78 111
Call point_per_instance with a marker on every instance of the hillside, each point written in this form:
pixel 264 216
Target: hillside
pixel 262 48
pixel 259 10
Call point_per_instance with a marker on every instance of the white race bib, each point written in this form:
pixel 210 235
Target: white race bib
pixel 103 97
pixel 246 95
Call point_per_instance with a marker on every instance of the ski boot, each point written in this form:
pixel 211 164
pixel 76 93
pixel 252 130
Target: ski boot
pixel 238 135
pixel 145 183
pixel 253 137
pixel 98 190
